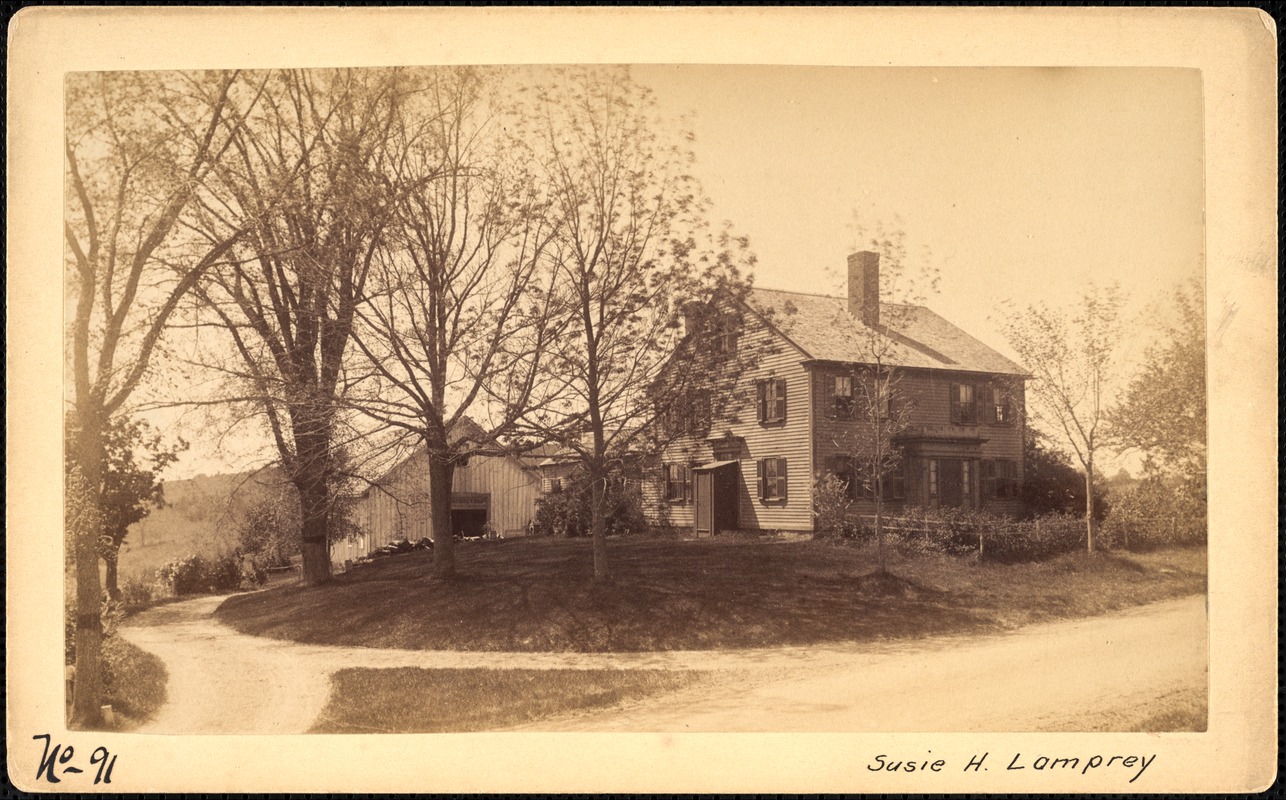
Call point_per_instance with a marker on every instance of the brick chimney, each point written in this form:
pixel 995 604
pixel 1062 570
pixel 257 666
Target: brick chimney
pixel 864 286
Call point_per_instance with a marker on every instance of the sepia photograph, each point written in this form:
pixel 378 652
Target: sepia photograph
pixel 585 396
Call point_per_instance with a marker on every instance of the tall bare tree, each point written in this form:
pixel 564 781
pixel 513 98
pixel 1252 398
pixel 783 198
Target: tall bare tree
pixel 458 314
pixel 630 256
pixel 873 394
pixel 138 148
pixel 306 174
pixel 1073 360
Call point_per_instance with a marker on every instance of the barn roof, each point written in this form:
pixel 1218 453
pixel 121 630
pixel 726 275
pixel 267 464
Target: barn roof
pixel 909 335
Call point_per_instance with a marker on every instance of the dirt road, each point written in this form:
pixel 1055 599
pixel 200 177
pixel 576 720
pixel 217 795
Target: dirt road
pixel 1041 677
pixel 1058 676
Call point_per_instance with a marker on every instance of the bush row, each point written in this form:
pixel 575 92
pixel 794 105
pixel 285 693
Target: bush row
pixel 956 532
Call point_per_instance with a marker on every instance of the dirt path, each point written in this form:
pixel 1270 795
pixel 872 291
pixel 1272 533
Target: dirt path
pixel 221 681
pixel 1072 675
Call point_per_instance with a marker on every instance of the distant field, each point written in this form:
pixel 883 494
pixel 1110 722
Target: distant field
pixel 199 517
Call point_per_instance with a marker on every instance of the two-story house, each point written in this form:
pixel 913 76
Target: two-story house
pixel 798 413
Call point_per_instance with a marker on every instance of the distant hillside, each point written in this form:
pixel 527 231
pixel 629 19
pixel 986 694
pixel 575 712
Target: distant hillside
pixel 201 516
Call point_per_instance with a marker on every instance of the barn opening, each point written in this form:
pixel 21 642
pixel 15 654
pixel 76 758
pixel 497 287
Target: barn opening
pixel 470 512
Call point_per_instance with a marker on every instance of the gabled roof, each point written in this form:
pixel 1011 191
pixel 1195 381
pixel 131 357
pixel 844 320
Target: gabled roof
pixel 909 335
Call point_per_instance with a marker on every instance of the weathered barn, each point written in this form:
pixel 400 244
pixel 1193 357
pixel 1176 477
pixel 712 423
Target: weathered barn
pixel 491 496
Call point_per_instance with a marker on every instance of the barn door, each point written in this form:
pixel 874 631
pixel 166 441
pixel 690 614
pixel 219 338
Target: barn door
pixel 704 502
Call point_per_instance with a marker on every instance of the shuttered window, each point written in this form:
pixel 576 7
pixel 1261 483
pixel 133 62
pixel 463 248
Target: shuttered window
pixel 1006 478
pixel 842 396
pixel 842 467
pixel 999 478
pixel 771 400
pixel 772 479
pixel 964 404
pixel 996 409
pixel 678 483
pixel 895 482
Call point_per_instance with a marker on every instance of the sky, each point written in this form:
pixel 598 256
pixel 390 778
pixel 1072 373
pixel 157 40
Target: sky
pixel 1023 184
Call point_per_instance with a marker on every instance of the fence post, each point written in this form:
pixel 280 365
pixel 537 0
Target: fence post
pixel 980 544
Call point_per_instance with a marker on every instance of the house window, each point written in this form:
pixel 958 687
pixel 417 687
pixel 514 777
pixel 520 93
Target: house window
pixel 987 475
pixel 725 342
pixel 895 482
pixel 933 477
pixel 842 396
pixel 772 479
pixel 883 394
pixel 964 406
pixel 842 467
pixel 966 483
pixel 1006 478
pixel 999 478
pixel 772 400
pixel 555 484
pixel 998 411
pixel 678 483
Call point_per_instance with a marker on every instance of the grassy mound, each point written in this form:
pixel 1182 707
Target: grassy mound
pixel 538 595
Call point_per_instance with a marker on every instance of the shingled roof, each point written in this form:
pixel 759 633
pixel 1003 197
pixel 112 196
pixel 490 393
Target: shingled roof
pixel 821 326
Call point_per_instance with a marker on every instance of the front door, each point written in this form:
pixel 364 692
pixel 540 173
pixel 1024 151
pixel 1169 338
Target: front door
pixel 704 502
pixel 951 482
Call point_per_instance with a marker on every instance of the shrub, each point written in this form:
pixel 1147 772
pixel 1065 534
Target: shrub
pixel 1156 513
pixel 138 590
pixel 195 574
pixel 955 532
pixel 832 509
pixel 566 512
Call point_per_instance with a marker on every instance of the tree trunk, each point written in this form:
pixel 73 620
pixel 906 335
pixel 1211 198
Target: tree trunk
pixel 441 474
pixel 1089 506
pixel 109 580
pixel 313 507
pixel 879 529
pixel 598 527
pixel 311 471
pixel 87 692
pixel 314 549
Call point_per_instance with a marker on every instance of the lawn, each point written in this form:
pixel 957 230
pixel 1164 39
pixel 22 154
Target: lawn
pixel 414 700
pixel 538 595
pixel 136 681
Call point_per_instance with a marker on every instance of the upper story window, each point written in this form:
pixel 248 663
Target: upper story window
pixel 725 341
pixel 842 396
pixel 964 404
pixel 771 401
pixel 998 410
pixel 690 414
